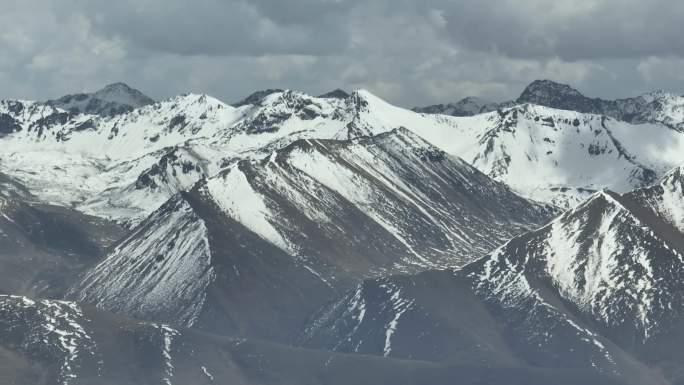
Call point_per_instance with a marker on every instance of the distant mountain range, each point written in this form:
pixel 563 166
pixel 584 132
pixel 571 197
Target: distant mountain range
pixel 338 239
pixel 654 107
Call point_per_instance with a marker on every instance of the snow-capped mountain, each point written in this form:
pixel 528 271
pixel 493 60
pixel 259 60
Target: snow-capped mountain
pixel 106 165
pixel 320 220
pixel 124 167
pixel 328 212
pixel 598 287
pixel 113 99
pixel 560 156
pixel 653 107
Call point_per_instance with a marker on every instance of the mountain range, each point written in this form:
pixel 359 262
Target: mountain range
pixel 653 107
pixel 337 239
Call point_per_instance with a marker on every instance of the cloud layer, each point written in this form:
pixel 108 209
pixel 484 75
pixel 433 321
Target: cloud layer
pixel 411 52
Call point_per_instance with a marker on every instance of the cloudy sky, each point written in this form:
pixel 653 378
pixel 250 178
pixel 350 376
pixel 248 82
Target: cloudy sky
pixel 410 52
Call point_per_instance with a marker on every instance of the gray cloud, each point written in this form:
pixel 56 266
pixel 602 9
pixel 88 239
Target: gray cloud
pixel 410 52
pixel 569 29
pixel 224 27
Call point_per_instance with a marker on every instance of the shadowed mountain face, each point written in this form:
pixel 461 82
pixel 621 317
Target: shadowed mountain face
pixel 114 99
pixel 465 107
pixel 653 107
pixel 43 248
pixel 57 342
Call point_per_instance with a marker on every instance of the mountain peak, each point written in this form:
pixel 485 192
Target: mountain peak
pixel 335 94
pixel 124 94
pixel 113 99
pixel 543 90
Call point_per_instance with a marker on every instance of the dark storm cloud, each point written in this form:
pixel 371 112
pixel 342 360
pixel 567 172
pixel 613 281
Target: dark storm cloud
pixel 407 51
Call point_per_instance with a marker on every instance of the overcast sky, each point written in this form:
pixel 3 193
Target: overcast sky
pixel 410 52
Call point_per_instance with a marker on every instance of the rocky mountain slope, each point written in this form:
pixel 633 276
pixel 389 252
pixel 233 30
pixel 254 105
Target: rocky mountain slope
pixel 113 99
pixel 63 343
pixel 313 217
pixel 599 287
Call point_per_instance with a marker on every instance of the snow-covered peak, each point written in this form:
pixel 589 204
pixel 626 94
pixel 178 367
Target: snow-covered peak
pixel 233 193
pixel 653 107
pixel 665 108
pixel 547 92
pixel 560 156
pixel 571 153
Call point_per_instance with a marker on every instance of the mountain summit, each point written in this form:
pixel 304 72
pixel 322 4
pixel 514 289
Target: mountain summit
pixel 557 95
pixel 113 99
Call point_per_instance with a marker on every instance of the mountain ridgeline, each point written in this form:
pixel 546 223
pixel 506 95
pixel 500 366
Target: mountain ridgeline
pixel 336 239
pixel 654 107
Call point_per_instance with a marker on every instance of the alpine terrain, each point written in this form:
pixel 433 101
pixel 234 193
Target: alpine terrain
pixel 339 239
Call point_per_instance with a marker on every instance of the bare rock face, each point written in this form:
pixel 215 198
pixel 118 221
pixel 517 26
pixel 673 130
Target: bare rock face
pixel 113 99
